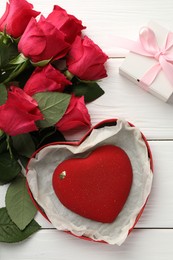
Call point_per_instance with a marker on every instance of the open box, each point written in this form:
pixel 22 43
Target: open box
pixel 43 163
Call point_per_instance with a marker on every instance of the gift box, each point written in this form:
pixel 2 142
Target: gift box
pixel 150 62
pixel 42 179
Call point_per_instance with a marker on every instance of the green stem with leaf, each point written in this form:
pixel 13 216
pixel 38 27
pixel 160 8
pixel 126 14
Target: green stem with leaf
pixel 9 146
pixel 1 133
pixel 17 71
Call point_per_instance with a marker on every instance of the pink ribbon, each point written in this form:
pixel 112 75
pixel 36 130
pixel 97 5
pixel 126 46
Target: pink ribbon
pixel 148 46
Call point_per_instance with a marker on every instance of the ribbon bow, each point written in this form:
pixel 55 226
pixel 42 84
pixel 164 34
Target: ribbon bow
pixel 148 46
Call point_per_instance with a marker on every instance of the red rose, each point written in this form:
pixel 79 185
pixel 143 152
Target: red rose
pixel 42 41
pixel 86 60
pixel 16 17
pixel 46 79
pixel 19 113
pixel 75 117
pixel 66 23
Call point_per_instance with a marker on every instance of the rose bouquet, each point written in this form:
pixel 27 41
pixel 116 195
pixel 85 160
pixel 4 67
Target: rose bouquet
pixel 48 72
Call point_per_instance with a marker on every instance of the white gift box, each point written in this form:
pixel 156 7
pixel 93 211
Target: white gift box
pixel 135 66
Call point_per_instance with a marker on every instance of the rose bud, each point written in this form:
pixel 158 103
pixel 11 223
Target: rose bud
pixel 42 41
pixel 16 17
pixel 75 117
pixel 46 79
pixel 86 59
pixel 66 23
pixel 19 113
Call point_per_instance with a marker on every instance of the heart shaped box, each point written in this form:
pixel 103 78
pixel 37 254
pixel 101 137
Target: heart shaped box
pixel 108 132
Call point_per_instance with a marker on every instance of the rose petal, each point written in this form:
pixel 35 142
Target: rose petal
pixel 46 79
pixel 86 60
pixel 16 17
pixel 75 117
pixel 15 121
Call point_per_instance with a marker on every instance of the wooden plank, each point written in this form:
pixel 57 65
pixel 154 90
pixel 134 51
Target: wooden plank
pixel 52 244
pixel 159 209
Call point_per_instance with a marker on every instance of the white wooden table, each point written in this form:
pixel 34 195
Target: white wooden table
pixel 152 237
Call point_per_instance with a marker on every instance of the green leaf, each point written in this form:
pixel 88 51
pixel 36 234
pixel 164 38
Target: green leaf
pixel 46 133
pixel 90 91
pixel 3 144
pixel 3 94
pixel 17 70
pixel 24 144
pixel 1 134
pixel 9 168
pixel 5 38
pixel 24 161
pixel 18 60
pixel 5 73
pixel 49 135
pixel 19 205
pixel 52 105
pixel 22 78
pixel 41 63
pixel 10 233
pixel 7 52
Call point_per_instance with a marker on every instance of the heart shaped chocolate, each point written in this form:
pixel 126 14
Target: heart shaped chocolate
pixel 96 186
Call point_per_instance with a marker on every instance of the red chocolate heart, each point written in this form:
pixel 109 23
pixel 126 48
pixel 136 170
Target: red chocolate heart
pixel 97 186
